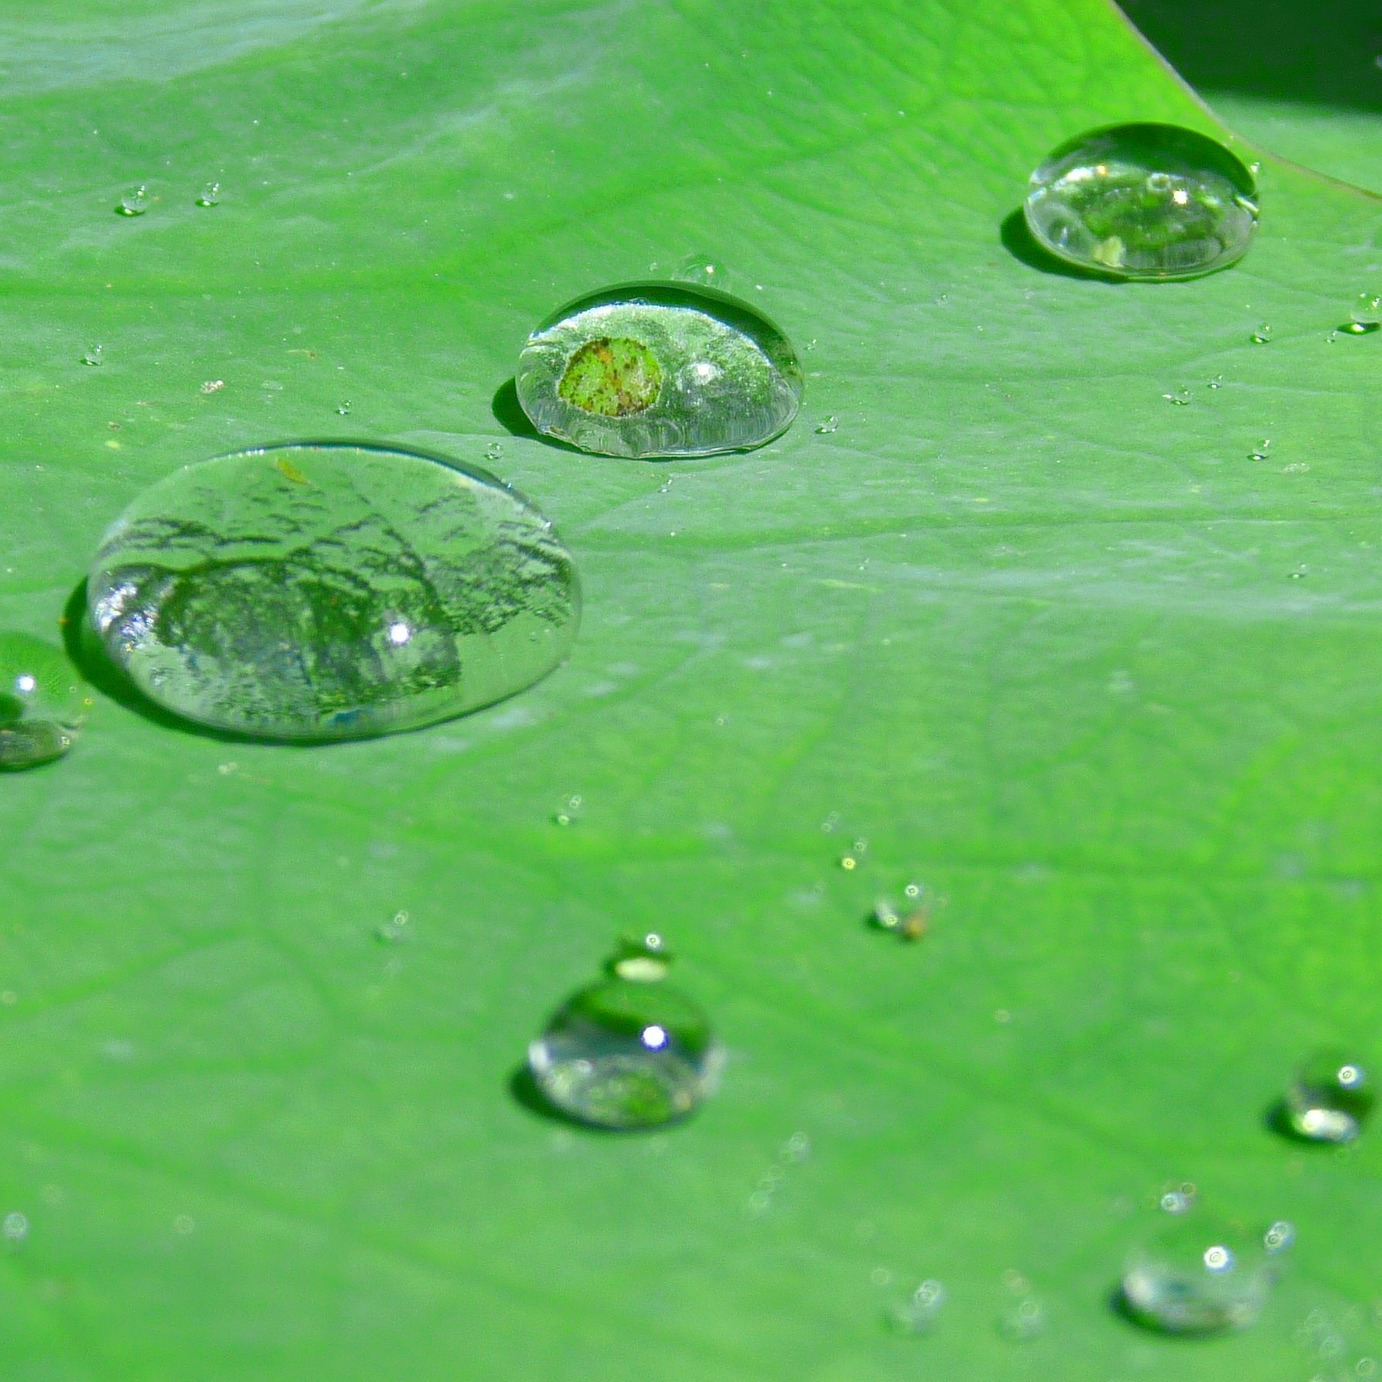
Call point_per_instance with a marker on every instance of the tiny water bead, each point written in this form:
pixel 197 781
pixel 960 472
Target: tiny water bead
pixel 331 591
pixel 210 195
pixel 1330 1099
pixel 94 355
pixel 629 1051
pixel 1201 1276
pixel 43 703
pixel 659 369
pixel 1143 201
pixel 135 202
pixel 1178 398
pixel 917 1312
pixel 1263 334
pixel 1366 316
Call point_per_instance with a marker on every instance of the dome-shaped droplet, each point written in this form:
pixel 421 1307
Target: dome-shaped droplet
pixel 626 1053
pixel 1329 1099
pixel 331 591
pixel 43 702
pixel 1199 1275
pixel 1143 202
pixel 659 369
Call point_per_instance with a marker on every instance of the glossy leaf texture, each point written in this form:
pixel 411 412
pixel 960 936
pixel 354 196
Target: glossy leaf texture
pixel 1050 644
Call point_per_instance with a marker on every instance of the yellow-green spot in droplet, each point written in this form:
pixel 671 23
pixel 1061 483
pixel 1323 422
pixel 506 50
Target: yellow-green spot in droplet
pixel 613 377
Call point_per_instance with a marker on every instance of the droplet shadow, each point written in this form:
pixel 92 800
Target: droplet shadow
pixel 1121 1306
pixel 84 650
pixel 1019 242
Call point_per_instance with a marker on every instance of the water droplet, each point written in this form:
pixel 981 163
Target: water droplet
pixel 1262 335
pixel 885 916
pixel 1179 398
pixel 1261 451
pixel 828 425
pixel 15 1226
pixel 94 355
pixel 398 928
pixel 212 386
pixel 702 269
pixel 43 702
pixel 1217 382
pixel 183 1224
pixel 135 202
pixel 916 1313
pixel 659 369
pixel 1330 1099
pixel 1024 1321
pixel 1143 202
pixel 644 959
pixel 626 1053
pixel 261 592
pixel 210 195
pixel 343 409
pixel 494 451
pixel 848 862
pixel 1365 316
pixel 1200 1276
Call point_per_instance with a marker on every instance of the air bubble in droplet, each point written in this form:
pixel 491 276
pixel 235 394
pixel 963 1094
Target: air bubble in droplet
pixel 43 703
pixel 1330 1099
pixel 262 592
pixel 626 1053
pixel 659 369
pixel 135 202
pixel 1143 201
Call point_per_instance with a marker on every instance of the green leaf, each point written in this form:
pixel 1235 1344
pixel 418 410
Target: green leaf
pixel 1053 647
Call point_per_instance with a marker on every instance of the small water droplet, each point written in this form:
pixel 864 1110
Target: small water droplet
pixel 1262 335
pixel 702 269
pixel 1199 1276
pixel 1024 1321
pixel 184 1224
pixel 298 639
pixel 1330 1099
pixel 135 202
pixel 626 1053
pixel 917 1312
pixel 642 959
pixel 796 1148
pixel 1261 451
pixel 212 386
pixel 848 862
pixel 811 344
pixel 1143 201
pixel 1179 397
pixel 94 355
pixel 398 928
pixel 43 703
pixel 15 1226
pixel 494 451
pixel 210 195
pixel 659 369
pixel 343 409
pixel 1217 382
pixel 1298 573
pixel 828 425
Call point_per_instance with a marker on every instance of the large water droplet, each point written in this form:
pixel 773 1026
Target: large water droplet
pixel 1329 1099
pixel 135 202
pixel 659 369
pixel 43 702
pixel 627 1052
pixel 1200 1276
pixel 1366 316
pixel 331 591
pixel 1143 202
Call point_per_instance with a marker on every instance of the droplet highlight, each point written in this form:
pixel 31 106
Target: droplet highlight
pixel 659 369
pixel 43 703
pixel 629 1051
pixel 1143 201
pixel 1330 1099
pixel 331 591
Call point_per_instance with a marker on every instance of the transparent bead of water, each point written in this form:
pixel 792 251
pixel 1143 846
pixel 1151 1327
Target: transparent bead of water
pixel 1366 316
pixel 1179 398
pixel 210 195
pixel 917 1312
pixel 1199 1275
pixel 627 1052
pixel 43 702
pixel 1330 1099
pixel 94 355
pixel 1263 334
pixel 1143 201
pixel 704 270
pixel 659 369
pixel 135 202
pixel 331 591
